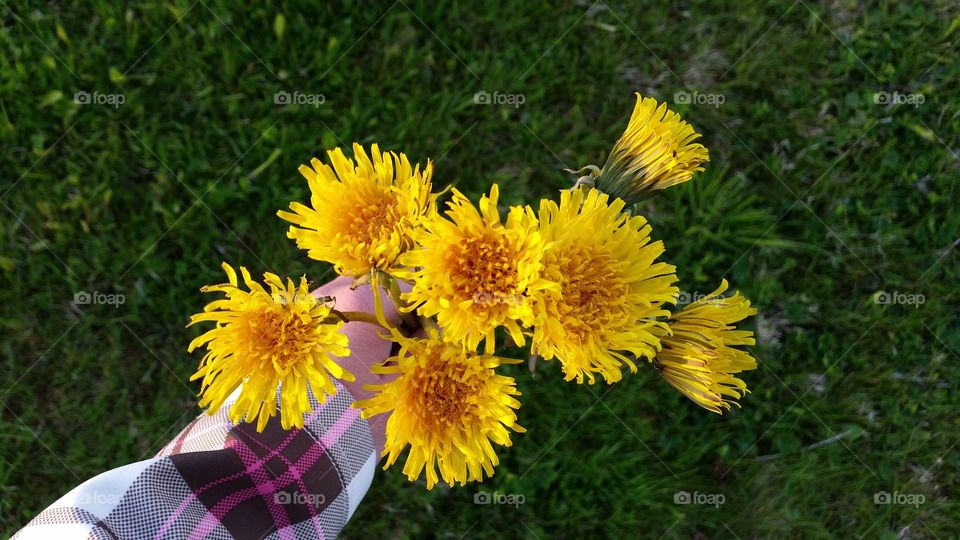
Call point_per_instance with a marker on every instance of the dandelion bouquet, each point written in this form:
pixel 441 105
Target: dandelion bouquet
pixel 578 280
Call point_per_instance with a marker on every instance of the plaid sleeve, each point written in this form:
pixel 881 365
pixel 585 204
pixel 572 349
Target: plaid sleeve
pixel 220 480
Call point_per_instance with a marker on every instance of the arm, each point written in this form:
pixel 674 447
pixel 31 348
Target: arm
pixel 216 479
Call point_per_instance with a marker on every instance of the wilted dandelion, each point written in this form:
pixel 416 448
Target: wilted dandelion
pixel 656 151
pixel 699 358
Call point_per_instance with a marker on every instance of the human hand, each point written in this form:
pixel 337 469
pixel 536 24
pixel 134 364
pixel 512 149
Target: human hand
pixel 367 347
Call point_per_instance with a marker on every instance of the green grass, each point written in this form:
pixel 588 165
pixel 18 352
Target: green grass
pixel 815 199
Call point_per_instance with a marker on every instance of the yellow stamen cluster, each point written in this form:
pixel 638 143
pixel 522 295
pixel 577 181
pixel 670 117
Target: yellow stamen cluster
pixel 448 405
pixel 611 289
pixel 362 212
pixel 475 273
pixel 265 338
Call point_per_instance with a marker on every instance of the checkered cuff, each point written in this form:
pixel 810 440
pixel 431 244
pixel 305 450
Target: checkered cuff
pixel 220 480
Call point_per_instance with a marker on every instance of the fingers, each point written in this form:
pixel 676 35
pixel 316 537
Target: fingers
pixel 360 299
pixel 368 344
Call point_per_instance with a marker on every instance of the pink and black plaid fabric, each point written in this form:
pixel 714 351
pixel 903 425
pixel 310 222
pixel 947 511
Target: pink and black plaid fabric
pixel 220 480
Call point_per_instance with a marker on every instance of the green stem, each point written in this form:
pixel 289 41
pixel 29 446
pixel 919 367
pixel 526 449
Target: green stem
pixel 410 319
pixel 359 316
pixel 428 323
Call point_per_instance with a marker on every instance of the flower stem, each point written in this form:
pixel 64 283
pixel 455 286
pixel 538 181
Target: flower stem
pixel 359 316
pixel 393 290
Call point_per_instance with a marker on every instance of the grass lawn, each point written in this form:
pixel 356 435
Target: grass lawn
pixel 816 198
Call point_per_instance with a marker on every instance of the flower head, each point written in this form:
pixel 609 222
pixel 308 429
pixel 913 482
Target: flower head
pixel 655 152
pixel 611 287
pixel 475 272
pixel 448 405
pixel 362 212
pixel 699 358
pixel 264 338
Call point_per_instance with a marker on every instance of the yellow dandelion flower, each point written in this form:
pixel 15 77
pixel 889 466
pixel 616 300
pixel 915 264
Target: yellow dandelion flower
pixel 448 405
pixel 655 152
pixel 699 360
pixel 611 287
pixel 264 338
pixel 475 272
pixel 362 212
